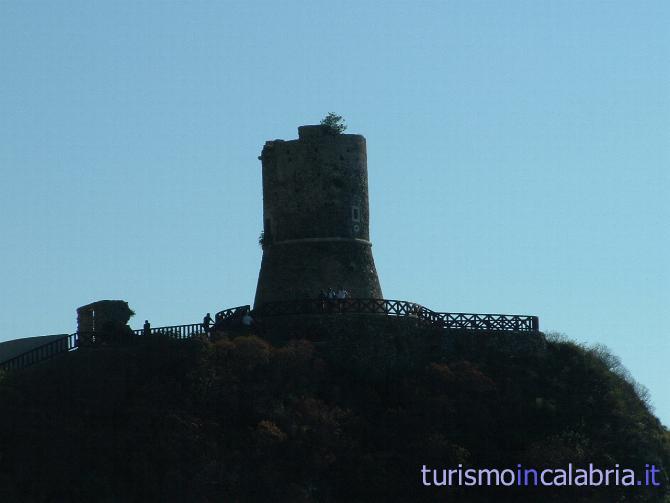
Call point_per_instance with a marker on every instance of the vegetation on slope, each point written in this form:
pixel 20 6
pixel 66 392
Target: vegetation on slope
pixel 242 420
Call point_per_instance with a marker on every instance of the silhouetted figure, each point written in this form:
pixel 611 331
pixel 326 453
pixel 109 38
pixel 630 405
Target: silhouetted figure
pixel 340 295
pixel 146 328
pixel 322 299
pixel 206 322
pixel 331 296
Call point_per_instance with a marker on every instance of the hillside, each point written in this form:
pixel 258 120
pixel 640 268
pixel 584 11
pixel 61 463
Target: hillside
pixel 243 420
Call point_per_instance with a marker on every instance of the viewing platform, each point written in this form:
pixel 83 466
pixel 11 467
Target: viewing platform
pixel 470 323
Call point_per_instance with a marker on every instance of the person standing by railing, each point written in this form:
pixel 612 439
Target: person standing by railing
pixel 146 329
pixel 330 299
pixel 247 320
pixel 207 322
pixel 341 296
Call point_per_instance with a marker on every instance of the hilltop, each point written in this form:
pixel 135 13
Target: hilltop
pixel 241 419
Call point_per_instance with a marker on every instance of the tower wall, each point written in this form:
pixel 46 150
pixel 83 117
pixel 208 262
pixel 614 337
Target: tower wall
pixel 315 217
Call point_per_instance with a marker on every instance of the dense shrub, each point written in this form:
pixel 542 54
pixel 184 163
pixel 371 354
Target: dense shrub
pixel 242 420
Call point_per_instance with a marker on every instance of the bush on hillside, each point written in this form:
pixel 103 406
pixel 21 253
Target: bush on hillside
pixel 243 420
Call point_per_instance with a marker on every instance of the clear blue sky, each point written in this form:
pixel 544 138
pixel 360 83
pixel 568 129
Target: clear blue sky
pixel 518 156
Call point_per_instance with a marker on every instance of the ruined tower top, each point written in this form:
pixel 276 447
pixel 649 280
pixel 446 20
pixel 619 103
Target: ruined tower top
pixel 315 186
pixel 315 217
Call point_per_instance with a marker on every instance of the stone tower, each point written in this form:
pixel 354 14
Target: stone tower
pixel 315 217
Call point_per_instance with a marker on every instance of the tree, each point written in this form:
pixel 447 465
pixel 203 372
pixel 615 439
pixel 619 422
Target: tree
pixel 334 123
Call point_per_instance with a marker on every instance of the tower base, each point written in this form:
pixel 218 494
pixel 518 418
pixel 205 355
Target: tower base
pixel 300 269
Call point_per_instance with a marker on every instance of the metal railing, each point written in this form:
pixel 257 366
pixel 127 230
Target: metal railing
pixel 328 306
pixel 175 331
pixel 41 353
pixel 449 321
pixel 385 307
pixel 232 314
pixel 488 322
pixel 71 342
